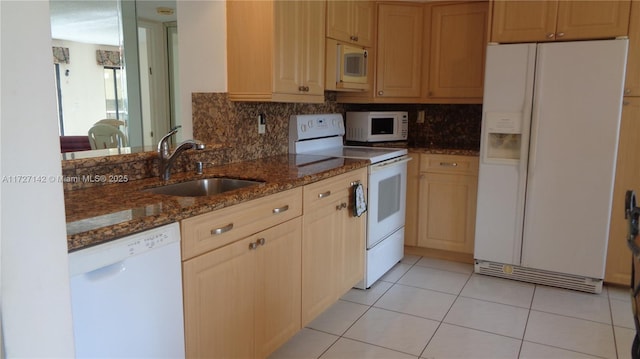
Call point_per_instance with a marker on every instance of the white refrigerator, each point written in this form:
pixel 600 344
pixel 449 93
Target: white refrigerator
pixel 551 115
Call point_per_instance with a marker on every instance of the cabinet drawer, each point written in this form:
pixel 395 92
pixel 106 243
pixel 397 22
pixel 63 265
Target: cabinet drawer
pixel 319 193
pixel 449 164
pixel 218 228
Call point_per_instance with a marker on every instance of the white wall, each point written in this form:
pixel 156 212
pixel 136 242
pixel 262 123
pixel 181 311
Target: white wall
pixel 34 287
pixel 35 298
pixel 203 52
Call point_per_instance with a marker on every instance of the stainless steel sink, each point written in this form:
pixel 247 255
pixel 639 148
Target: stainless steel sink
pixel 203 187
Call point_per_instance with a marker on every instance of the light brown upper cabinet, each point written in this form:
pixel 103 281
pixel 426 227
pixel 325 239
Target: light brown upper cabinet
pixel 456 34
pixel 534 21
pixel 399 51
pixel 275 50
pixel 429 52
pixel 632 81
pixel 351 21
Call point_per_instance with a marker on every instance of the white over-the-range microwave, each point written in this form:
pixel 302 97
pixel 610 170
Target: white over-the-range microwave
pixel 380 126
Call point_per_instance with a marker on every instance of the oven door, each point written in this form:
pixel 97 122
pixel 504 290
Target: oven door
pixel 387 198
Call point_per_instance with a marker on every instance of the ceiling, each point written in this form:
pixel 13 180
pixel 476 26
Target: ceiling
pixel 96 21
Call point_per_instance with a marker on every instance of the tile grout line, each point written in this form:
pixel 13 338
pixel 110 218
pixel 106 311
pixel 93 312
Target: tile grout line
pixel 526 323
pixel 444 316
pixel 613 329
pixel 365 312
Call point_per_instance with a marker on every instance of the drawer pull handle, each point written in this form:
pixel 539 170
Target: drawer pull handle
pixel 221 230
pixel 253 245
pixel 281 209
pixel 324 195
pixel 261 241
pixel 448 164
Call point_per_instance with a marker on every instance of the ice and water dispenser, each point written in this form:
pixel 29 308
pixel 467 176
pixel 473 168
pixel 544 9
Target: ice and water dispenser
pixel 503 137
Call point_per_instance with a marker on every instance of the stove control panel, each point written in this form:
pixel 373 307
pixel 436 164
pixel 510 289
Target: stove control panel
pixel 302 127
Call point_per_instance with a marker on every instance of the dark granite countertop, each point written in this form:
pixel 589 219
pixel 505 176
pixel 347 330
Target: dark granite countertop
pixel 99 214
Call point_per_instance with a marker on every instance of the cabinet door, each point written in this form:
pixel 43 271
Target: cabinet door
pixel 399 51
pixel 219 291
pixel 592 19
pixel 447 211
pixel 287 54
pixel 618 267
pixel 523 21
pixel 299 47
pixel 632 81
pixel 364 17
pixel 312 45
pixel 339 20
pixel 457 50
pixel 320 263
pixel 278 278
pixel 351 21
pixel 351 246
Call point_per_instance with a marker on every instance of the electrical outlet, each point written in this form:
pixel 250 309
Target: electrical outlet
pixel 262 124
pixel 420 117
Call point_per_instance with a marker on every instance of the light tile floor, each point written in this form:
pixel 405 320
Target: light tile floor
pixel 427 308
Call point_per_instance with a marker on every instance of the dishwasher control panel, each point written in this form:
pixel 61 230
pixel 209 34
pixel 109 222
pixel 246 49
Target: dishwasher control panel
pixel 147 242
pixel 88 259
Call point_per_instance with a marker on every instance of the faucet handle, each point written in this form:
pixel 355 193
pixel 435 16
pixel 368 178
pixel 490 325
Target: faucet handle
pixel 162 144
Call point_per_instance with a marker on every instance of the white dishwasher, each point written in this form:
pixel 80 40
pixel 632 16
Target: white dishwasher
pixel 126 297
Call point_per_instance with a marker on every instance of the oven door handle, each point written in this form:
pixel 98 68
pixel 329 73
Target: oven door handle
pixel 388 164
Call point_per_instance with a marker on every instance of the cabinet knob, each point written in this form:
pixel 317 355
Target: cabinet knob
pixel 355 38
pixel 341 206
pixel 627 91
pixel 550 35
pixel 380 93
pixel 560 34
pixel 253 245
pixel 301 88
pixel 261 241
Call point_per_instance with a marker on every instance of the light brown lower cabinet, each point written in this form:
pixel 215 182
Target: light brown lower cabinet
pixel 243 300
pixel 254 273
pixel 332 244
pixel 443 215
pixel 618 267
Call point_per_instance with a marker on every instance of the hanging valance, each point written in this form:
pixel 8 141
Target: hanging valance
pixel 108 58
pixel 60 55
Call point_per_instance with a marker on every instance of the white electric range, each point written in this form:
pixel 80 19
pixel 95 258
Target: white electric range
pixel 323 135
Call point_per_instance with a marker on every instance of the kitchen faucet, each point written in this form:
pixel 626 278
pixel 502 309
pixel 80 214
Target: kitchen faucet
pixel 166 158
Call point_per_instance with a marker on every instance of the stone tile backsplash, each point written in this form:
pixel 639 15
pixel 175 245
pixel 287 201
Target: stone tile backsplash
pixel 218 120
pixel 230 130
